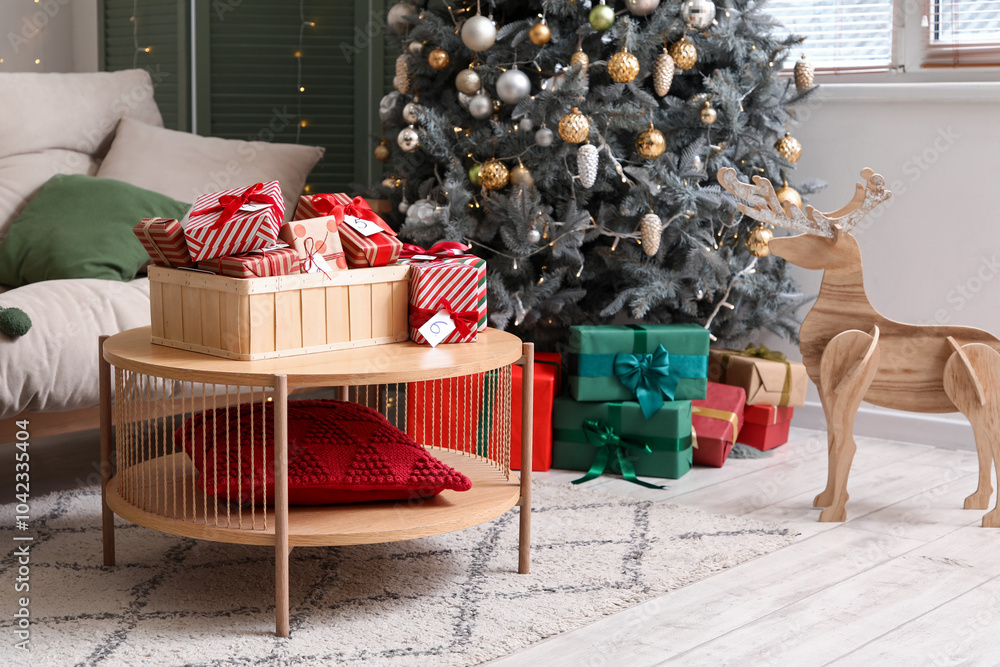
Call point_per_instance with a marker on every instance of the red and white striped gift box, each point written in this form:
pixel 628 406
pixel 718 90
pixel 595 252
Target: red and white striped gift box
pixel 163 239
pixel 234 221
pixel 457 284
pixel 379 249
pixel 262 263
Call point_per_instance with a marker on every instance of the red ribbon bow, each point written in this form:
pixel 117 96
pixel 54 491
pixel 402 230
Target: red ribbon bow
pixel 466 321
pixel 230 204
pixel 441 249
pixel 358 208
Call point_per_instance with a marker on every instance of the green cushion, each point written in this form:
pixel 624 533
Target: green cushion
pixel 81 227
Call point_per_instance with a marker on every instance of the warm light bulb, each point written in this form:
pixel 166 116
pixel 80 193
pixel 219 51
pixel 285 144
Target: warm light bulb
pixel 298 54
pixel 148 49
pixel 303 123
pixel 307 189
pixel 302 89
pixel 37 61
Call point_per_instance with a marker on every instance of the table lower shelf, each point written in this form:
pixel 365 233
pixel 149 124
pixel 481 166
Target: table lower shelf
pixel 189 515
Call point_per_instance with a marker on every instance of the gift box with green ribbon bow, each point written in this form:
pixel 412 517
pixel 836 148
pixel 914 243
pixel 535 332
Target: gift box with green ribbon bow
pixel 645 363
pixel 617 438
pixel 765 375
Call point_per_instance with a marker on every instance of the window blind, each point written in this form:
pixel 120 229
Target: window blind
pixel 850 35
pixel 963 33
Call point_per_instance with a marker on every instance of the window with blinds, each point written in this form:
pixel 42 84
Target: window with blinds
pixel 841 35
pixel 963 33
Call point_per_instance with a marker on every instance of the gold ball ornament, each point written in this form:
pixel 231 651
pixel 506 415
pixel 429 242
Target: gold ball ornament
pixel 494 174
pixel 805 74
pixel 438 59
pixel 383 152
pixel 684 53
pixel 708 114
pixel 540 34
pixel 574 127
pixel 580 59
pixel 789 148
pixel 788 195
pixel 623 67
pixel 521 175
pixel 758 240
pixel 650 144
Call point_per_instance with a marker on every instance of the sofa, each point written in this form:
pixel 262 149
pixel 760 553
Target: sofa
pixel 106 125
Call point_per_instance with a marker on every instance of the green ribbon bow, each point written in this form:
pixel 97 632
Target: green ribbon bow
pixel 612 447
pixel 648 377
pixel 762 352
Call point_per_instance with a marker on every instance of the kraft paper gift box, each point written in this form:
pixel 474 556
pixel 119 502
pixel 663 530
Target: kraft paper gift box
pixel 647 363
pixel 456 285
pixel 367 239
pixel 765 426
pixel 716 420
pixel 616 437
pixel 548 382
pixel 235 221
pixel 262 263
pixel 163 239
pixel 315 235
pixel 767 379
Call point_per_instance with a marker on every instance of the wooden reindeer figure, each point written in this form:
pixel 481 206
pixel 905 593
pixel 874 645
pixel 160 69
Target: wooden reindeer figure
pixel 853 353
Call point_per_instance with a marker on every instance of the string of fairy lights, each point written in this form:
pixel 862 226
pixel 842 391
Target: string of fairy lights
pixel 134 19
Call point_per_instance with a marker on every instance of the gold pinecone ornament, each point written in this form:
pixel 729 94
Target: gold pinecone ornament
pixel 788 195
pixel 805 75
pixel 663 73
pixel 789 148
pixel 494 174
pixel 684 53
pixel 650 143
pixel 403 79
pixel 574 127
pixel 580 59
pixel 758 240
pixel 623 67
pixel 651 228
pixel 587 158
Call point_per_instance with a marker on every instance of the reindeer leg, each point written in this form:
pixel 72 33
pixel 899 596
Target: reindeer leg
pixel 848 366
pixel 825 498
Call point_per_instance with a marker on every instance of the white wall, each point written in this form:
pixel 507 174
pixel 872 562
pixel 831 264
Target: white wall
pixel 934 253
pixel 60 34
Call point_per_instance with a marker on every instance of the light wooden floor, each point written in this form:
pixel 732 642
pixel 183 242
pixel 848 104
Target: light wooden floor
pixel 909 579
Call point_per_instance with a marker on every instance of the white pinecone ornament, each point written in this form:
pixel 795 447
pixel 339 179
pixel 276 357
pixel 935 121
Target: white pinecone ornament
pixel 403 79
pixel 805 74
pixel 651 228
pixel 586 164
pixel 663 73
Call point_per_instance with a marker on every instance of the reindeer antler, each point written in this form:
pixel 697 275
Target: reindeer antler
pixel 762 204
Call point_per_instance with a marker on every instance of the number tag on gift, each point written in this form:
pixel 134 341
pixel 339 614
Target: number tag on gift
pixel 363 227
pixel 251 207
pixel 437 328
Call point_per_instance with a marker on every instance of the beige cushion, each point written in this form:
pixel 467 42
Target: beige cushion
pixel 184 166
pixel 62 123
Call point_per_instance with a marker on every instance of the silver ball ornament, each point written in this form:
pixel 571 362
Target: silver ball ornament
pixel 526 125
pixel 513 86
pixel 415 47
pixel 396 18
pixel 388 105
pixel 422 211
pixel 481 106
pixel 403 207
pixel 410 112
pixel 468 82
pixel 544 137
pixel 408 139
pixel 479 33
pixel 642 7
pixel 698 14
pixel 534 236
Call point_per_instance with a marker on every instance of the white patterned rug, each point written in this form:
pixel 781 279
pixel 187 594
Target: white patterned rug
pixel 448 600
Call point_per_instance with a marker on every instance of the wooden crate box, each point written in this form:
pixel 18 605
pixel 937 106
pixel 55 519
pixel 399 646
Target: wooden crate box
pixel 262 318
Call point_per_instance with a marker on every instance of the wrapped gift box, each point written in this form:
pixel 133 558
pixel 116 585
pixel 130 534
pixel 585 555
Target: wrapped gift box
pixel 315 235
pixel 548 381
pixel 235 221
pixel 163 239
pixel 454 403
pixel 767 380
pixel 457 285
pixel 262 263
pixel 765 426
pixel 597 437
pixel 646 363
pixel 716 421
pixel 367 239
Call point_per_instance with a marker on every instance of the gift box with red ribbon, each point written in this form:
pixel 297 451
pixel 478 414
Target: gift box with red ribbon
pixel 315 236
pixel 367 239
pixel 163 239
pixel 456 285
pixel 765 426
pixel 547 385
pixel 262 263
pixel 716 420
pixel 234 221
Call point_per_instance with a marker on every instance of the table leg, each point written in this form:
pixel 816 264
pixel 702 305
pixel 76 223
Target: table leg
pixel 527 413
pixel 107 516
pixel 281 550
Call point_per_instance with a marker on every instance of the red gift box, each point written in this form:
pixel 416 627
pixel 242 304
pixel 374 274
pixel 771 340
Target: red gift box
pixel 765 426
pixel 255 264
pixel 163 239
pixel 235 221
pixel 457 285
pixel 717 419
pixel 548 382
pixel 367 239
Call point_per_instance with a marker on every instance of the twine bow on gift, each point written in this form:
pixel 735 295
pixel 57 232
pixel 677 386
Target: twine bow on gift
pixel 440 250
pixel 466 321
pixel 612 447
pixel 762 352
pixel 230 204
pixel 648 377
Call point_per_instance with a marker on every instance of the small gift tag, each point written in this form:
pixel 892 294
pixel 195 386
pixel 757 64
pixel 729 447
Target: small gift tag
pixel 362 227
pixel 316 264
pixel 251 207
pixel 424 258
pixel 437 328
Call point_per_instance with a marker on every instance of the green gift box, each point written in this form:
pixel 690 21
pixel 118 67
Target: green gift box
pixel 617 437
pixel 644 363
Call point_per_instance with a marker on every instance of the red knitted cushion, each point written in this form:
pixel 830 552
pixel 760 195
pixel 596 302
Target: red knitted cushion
pixel 338 452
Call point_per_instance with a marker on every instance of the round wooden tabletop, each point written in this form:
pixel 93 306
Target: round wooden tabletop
pixel 378 364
